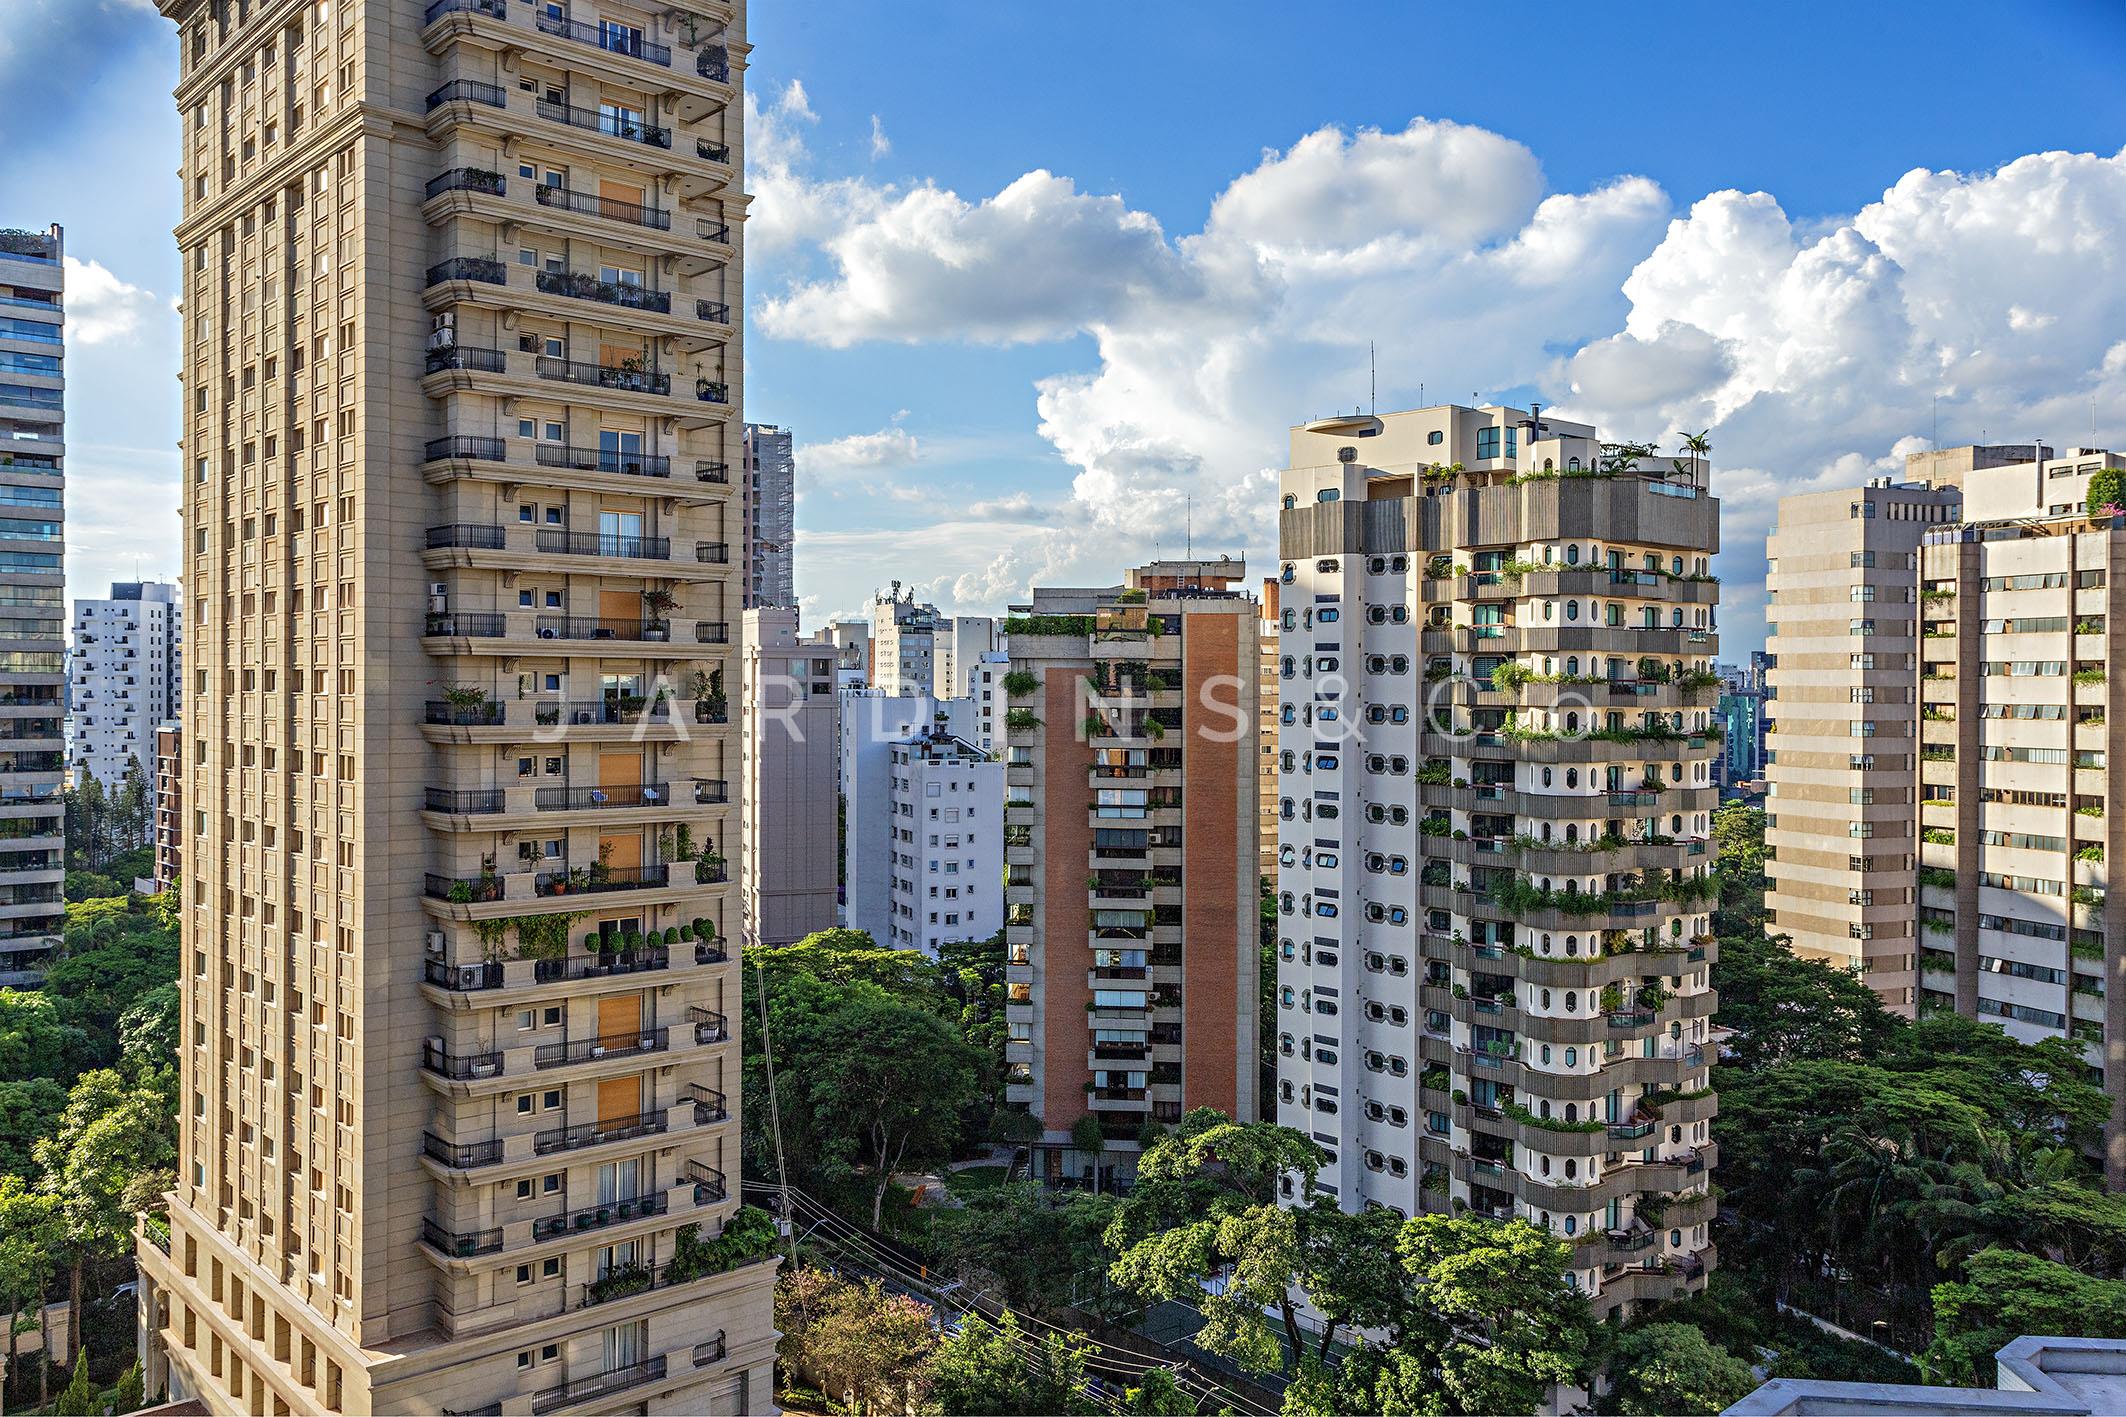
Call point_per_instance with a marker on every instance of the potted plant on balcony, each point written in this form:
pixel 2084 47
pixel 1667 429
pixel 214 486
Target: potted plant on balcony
pixel 465 697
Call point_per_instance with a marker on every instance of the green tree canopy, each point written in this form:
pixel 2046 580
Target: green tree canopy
pixel 997 1368
pixel 2004 1295
pixel 1668 1368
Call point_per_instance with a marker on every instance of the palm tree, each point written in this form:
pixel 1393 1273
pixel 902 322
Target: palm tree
pixel 1698 445
pixel 1089 1137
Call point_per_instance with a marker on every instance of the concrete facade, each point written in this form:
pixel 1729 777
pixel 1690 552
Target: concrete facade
pixel 169 803
pixel 2020 811
pixel 871 723
pixel 1495 838
pixel 1842 773
pixel 1131 929
pixel 460 364
pixel 32 601
pixel 792 747
pixel 2034 1377
pixel 770 516
pixel 904 643
pixel 126 667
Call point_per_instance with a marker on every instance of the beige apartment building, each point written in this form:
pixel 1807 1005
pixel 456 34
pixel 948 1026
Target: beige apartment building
pixel 1266 745
pixel 1495 849
pixel 1130 861
pixel 33 677
pixel 2021 808
pixel 459 1081
pixel 1842 769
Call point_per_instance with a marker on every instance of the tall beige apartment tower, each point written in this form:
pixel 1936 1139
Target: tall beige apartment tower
pixel 1132 965
pixel 1495 849
pixel 32 605
pixel 2022 808
pixel 1843 766
pixel 459 1090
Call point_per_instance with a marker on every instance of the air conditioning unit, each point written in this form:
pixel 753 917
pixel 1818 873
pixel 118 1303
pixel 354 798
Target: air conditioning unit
pixel 435 942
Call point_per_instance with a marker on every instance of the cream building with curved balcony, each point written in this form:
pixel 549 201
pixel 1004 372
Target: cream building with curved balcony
pixel 1494 811
pixel 460 360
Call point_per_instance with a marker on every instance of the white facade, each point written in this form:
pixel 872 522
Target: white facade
pixel 947 818
pixel 960 642
pixel 985 692
pixel 872 725
pixel 125 668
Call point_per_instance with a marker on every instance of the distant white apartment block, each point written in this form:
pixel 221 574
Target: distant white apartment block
pixel 947 819
pixel 873 726
pixel 960 643
pixel 126 665
pixel 985 694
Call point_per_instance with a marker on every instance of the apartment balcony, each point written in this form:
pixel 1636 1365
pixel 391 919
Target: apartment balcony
pixel 616 798
pixel 502 984
pixel 548 1056
pixel 508 289
pixel 494 547
pixel 596 1387
pixel 584 1135
pixel 541 464
pixel 599 879
pixel 586 721
pixel 521 373
pixel 604 122
pixel 593 1218
pixel 463 632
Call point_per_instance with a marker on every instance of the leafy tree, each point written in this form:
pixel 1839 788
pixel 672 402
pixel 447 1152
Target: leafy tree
pixel 1494 1315
pixel 1158 1395
pixel 2107 491
pixel 1668 1368
pixel 148 1033
pixel 2005 1294
pixel 1026 1244
pixel 34 1042
pixel 30 1237
pixel 1740 832
pixel 29 1109
pixel 859 1344
pixel 88 885
pixel 114 1150
pixel 1782 1007
pixel 995 1368
pixel 865 1081
pixel 1205 1201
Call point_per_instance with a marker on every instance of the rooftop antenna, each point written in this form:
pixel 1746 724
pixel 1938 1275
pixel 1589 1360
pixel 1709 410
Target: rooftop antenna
pixel 1188 526
pixel 1373 380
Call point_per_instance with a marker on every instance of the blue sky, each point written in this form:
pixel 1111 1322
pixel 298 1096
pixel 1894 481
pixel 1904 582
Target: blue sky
pixel 1033 283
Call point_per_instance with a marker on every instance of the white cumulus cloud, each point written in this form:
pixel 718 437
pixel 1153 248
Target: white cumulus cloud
pixel 101 307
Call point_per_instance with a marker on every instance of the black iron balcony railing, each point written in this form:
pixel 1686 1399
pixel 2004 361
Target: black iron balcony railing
pixel 712 632
pixel 709 1104
pixel 479 268
pixel 470 449
pixel 628 126
pixel 598 1133
pixel 709 1183
pixel 612 1380
pixel 603 460
pixel 712 471
pixel 476 801
pixel 602 376
pixel 460 978
pixel 578 286
pixel 584 799
pixel 713 553
pixel 712 711
pixel 590 1050
pixel 605 208
pixel 468 624
pixel 460 1245
pixel 437 1059
pixel 602 965
pixel 493 9
pixel 716 312
pixel 461 890
pixel 468 91
pixel 708 150
pixel 709 1025
pixel 710 791
pixel 592 880
pixel 597 1217
pixel 714 1350
pixel 466 356
pixel 592 543
pixel 467 179
pixel 716 233
pixel 463 715
pixel 614 39
pixel 712 391
pixel 475 536
pixel 710 952
pixel 592 712
pixel 592 627
pixel 713 61
pixel 461 1155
